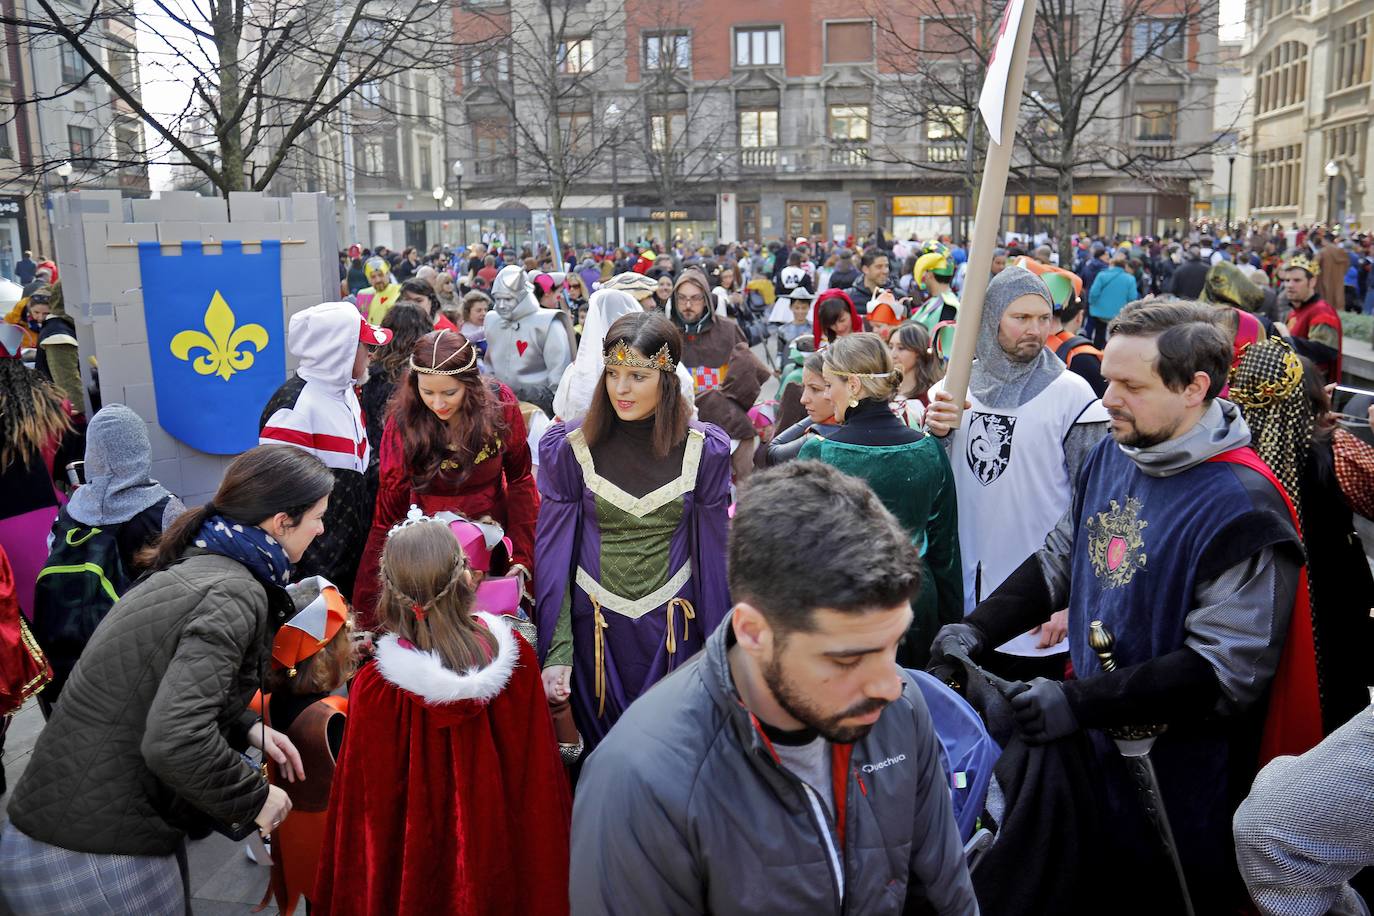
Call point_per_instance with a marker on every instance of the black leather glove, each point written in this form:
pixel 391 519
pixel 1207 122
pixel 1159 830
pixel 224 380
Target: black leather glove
pixel 1042 711
pixel 953 638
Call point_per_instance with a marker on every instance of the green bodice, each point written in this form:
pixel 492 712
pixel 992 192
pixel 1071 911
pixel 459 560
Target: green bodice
pixel 634 548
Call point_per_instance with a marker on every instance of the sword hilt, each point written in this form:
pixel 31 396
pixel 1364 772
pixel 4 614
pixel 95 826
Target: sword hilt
pixel 1101 641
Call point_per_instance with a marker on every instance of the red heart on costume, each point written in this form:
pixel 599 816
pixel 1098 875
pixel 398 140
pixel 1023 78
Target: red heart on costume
pixel 521 346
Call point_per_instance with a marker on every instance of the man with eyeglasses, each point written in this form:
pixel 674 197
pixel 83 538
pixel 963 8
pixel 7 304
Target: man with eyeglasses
pixel 727 374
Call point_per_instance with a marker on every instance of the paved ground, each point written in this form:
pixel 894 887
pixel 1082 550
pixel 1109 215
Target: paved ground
pixel 223 881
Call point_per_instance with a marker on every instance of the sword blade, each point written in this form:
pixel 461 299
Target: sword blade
pixel 1136 754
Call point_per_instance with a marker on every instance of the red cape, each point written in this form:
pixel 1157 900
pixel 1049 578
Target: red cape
pixel 1293 723
pixel 447 807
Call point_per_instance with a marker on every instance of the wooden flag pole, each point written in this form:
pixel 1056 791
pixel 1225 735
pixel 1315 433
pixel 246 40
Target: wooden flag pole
pixel 988 218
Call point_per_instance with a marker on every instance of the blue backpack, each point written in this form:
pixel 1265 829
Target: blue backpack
pixel 968 751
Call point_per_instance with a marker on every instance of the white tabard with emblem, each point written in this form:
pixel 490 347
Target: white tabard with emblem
pixel 1011 479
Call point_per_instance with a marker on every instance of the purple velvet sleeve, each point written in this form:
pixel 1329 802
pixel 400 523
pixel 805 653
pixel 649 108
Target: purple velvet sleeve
pixel 555 536
pixel 710 529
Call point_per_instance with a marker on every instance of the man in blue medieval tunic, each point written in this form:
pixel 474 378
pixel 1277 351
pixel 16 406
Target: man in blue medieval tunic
pixel 1181 550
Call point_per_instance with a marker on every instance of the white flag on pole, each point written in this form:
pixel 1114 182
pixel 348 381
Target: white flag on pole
pixel 993 97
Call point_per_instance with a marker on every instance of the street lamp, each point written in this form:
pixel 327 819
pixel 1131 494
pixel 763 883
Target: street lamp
pixel 1230 175
pixel 1332 170
pixel 613 116
pixel 64 171
pixel 448 202
pixel 458 186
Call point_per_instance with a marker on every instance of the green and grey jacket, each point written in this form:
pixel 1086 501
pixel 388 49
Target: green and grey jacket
pixel 143 747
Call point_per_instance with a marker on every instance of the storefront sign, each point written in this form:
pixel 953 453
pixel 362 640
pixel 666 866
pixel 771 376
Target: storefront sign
pixel 11 206
pixel 1048 204
pixel 923 206
pixel 667 214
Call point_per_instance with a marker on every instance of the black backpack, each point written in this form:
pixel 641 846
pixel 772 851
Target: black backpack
pixel 82 579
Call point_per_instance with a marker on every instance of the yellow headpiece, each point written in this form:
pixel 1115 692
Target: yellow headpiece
pixel 621 355
pixel 1301 261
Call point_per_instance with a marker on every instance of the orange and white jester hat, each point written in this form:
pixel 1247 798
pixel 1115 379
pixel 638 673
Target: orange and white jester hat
pixel 312 628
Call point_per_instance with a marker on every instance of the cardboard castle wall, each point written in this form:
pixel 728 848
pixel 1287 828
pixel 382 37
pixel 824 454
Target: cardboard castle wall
pixel 101 290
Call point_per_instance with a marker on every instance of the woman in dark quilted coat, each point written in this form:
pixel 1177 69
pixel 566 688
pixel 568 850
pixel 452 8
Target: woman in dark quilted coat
pixel 144 748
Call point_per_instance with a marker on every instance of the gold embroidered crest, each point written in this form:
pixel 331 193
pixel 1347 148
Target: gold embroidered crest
pixel 1115 544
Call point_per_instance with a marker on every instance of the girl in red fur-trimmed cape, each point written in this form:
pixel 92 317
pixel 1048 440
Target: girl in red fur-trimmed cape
pixel 450 796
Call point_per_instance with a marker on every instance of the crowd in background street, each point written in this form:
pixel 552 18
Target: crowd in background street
pixel 535 597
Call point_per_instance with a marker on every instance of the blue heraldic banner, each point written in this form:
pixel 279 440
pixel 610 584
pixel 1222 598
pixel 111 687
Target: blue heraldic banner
pixel 216 339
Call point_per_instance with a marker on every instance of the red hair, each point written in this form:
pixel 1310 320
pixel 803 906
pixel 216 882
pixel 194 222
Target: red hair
pixel 426 439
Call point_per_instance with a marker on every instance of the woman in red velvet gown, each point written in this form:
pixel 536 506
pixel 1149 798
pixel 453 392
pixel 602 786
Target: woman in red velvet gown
pixel 449 796
pixel 454 442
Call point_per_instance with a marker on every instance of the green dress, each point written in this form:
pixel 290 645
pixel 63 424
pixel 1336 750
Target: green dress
pixel 915 483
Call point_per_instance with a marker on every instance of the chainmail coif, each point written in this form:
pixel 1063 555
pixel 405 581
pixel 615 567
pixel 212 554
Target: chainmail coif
pixel 1267 386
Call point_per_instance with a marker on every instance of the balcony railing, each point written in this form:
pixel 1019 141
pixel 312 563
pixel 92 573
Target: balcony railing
pixel 850 157
pixel 496 168
pixel 946 151
pixel 758 158
pixel 1154 149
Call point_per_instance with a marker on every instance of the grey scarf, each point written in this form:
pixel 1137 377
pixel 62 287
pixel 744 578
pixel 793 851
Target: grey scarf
pixel 119 465
pixel 997 380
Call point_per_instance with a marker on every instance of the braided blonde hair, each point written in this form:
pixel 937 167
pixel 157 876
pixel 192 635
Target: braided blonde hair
pixel 427 596
pixel 865 358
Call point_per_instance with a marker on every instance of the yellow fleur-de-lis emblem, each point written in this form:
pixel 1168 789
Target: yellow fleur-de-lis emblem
pixel 224 345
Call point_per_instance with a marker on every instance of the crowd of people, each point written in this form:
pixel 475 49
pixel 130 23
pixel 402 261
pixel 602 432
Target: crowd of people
pixel 616 580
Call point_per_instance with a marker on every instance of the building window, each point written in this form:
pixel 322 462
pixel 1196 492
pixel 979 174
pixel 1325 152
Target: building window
pixel 127 143
pixel 758 47
pixel 121 65
pixel 848 122
pixel 491 143
pixel 1277 177
pixel 758 129
pixel 577 132
pixel 74 67
pixel 1161 38
pixel 946 122
pixel 952 35
pixel 426 170
pixel 671 51
pixel 849 42
pixel 1156 121
pixel 575 56
pixel 81 144
pixel 371 94
pixel 1281 78
pixel 6 148
pixel 665 130
pixel 1272 9
pixel 1346 142
pixel 490 65
pixel 372 157
pixel 1350 62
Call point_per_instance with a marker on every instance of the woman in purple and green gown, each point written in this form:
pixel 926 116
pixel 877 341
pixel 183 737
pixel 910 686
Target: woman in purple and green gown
pixel 631 535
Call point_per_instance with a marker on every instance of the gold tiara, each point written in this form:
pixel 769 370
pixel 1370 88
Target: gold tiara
pixel 622 355
pixel 439 370
pixel 1301 262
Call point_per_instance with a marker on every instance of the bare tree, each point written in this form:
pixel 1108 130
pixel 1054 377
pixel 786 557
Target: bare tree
pixel 241 121
pixel 679 130
pixel 540 74
pixel 1089 60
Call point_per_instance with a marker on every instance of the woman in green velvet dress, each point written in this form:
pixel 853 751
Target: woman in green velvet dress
pixel 907 469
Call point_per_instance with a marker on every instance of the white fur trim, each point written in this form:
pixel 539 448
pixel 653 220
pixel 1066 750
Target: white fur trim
pixel 423 674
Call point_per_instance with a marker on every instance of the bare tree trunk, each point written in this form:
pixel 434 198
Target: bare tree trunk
pixel 228 35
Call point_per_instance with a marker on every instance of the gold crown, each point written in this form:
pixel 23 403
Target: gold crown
pixel 622 355
pixel 1301 261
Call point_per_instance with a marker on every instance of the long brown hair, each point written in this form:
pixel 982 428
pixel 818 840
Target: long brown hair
pixel 407 323
pixel 914 336
pixel 256 486
pixel 425 438
pixel 646 332
pixel 423 566
pixel 31 414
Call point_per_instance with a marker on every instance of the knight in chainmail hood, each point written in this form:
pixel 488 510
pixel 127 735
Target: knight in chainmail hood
pixel 1017 453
